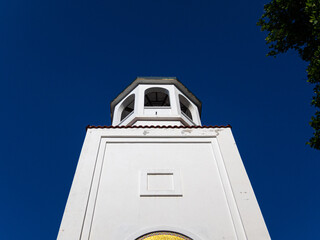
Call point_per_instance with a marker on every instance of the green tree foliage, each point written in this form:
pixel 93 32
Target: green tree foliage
pixel 295 24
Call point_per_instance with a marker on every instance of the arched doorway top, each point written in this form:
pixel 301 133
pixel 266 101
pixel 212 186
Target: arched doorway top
pixel 127 107
pixel 164 235
pixel 156 96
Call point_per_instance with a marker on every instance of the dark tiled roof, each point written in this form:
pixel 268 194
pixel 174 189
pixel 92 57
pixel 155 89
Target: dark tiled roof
pixel 89 126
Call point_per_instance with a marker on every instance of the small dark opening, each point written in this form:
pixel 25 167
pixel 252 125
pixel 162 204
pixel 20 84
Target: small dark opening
pixel 184 106
pixel 185 110
pixel 157 99
pixel 127 110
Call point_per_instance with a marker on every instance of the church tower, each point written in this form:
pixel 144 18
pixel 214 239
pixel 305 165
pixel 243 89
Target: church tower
pixel 158 174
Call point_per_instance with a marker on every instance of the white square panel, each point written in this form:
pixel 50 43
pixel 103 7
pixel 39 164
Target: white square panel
pixel 160 182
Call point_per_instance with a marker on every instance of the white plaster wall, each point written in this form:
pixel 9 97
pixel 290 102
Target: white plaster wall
pixel 155 123
pixel 217 199
pixel 120 211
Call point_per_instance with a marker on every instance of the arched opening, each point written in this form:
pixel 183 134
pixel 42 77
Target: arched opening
pixel 163 235
pixel 156 97
pixel 127 107
pixel 184 106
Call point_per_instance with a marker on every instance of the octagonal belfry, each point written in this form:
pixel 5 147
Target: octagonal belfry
pixel 156 101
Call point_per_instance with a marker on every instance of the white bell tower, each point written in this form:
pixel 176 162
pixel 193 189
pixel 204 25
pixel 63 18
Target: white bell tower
pixel 158 174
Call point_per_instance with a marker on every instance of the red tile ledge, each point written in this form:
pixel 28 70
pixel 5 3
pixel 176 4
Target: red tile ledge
pixel 216 126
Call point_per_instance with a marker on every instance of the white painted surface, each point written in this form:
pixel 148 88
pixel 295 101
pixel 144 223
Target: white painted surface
pixel 158 122
pixel 217 199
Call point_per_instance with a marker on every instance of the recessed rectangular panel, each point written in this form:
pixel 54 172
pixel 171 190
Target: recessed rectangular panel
pixel 160 182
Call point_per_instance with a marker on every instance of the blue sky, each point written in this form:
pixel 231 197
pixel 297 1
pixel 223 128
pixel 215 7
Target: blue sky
pixel 63 62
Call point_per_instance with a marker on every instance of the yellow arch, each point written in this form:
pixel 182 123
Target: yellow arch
pixel 163 236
